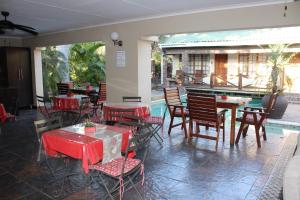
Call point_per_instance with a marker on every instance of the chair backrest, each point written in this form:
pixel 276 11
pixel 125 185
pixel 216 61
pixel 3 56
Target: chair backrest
pixel 102 92
pixel 172 97
pixel 41 105
pixel 121 115
pixel 46 125
pixel 271 103
pixel 85 103
pixel 63 88
pixel 132 99
pixel 202 106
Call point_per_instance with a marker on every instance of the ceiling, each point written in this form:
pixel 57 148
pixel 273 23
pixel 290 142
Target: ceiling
pixel 60 15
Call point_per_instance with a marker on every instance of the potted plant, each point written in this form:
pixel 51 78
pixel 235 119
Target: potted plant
pixel 89 127
pixel 277 61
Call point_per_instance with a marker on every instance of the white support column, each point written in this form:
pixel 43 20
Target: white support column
pixel 162 68
pixel 144 70
pixel 37 73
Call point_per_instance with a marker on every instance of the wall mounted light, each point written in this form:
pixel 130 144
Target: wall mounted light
pixel 115 38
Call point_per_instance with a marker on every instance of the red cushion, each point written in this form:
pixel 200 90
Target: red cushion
pixel 153 120
pixel 114 167
pixel 250 119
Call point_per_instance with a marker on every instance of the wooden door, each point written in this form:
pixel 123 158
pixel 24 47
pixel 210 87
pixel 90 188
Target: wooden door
pixel 19 74
pixel 221 69
pixel 25 84
pixel 13 66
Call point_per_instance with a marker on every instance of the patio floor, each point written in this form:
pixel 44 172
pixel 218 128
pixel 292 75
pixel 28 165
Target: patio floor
pixel 177 170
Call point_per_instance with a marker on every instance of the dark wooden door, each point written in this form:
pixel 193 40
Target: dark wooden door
pixel 25 83
pixel 19 74
pixel 221 69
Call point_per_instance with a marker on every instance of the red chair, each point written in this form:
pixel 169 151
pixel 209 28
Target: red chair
pixel 4 116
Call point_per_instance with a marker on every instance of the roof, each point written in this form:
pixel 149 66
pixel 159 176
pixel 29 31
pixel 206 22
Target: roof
pixel 290 35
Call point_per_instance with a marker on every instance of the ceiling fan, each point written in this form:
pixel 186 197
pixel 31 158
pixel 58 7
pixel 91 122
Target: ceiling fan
pixel 8 25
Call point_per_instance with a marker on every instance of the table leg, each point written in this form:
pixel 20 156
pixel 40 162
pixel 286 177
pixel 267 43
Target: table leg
pixel 232 127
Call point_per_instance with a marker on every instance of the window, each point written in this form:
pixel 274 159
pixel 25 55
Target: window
pixel 244 64
pixel 249 62
pixel 199 62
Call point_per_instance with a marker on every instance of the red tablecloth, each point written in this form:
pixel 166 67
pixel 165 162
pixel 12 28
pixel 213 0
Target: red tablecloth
pixel 140 109
pixel 78 146
pixel 63 102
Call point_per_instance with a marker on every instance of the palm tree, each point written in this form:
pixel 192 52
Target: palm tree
pixel 277 61
pixel 87 63
pixel 54 67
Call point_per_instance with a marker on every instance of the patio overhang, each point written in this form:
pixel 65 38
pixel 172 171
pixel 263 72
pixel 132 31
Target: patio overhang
pixel 134 78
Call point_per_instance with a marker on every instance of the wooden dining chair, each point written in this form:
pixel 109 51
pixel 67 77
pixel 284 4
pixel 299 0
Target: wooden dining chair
pixel 257 117
pixel 62 88
pixel 203 111
pixel 132 99
pixel 176 108
pixel 101 94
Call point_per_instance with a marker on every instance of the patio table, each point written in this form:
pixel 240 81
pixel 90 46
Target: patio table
pixel 91 148
pixel 67 103
pixel 232 103
pixel 140 109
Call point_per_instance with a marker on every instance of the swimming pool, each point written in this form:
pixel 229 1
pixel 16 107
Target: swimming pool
pixel 158 108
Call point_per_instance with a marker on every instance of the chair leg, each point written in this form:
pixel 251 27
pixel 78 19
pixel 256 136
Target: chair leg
pixel 39 152
pixel 197 128
pixel 223 131
pixel 171 124
pixel 190 129
pixel 106 188
pixel 239 133
pixel 257 136
pixel 184 128
pixel 217 139
pixel 132 183
pixel 264 132
pixel 245 130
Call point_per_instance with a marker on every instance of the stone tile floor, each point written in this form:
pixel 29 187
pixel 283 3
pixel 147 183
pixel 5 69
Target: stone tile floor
pixel 177 170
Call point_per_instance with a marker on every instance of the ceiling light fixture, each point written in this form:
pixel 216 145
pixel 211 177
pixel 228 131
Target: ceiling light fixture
pixel 115 38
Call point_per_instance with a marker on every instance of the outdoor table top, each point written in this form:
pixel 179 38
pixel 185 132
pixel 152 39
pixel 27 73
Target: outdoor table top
pixel 126 104
pixel 73 141
pixel 233 100
pixel 75 96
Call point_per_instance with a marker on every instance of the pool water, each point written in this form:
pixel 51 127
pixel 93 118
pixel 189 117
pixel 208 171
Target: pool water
pixel 159 107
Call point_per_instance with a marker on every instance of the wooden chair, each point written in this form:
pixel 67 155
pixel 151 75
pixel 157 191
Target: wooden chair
pixel 132 99
pixel 44 125
pixel 257 117
pixel 101 94
pixel 176 108
pixel 203 111
pixel 62 88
